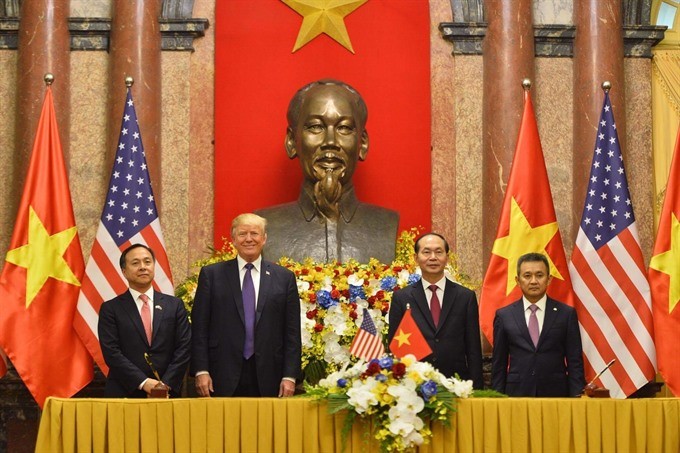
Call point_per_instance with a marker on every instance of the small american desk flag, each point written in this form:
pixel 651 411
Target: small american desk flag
pixel 367 344
pixel 129 217
pixel 608 273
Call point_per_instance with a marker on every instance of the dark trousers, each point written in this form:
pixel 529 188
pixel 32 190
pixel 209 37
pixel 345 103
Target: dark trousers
pixel 247 384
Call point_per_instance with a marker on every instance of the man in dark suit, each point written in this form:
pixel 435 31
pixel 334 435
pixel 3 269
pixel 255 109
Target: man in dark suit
pixel 143 321
pixel 538 337
pixel 246 321
pixel 446 313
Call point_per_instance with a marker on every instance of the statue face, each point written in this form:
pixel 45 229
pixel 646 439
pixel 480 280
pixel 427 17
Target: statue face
pixel 328 138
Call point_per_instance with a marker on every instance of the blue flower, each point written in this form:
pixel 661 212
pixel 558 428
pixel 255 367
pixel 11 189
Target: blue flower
pixel 386 362
pixel 356 292
pixel 380 377
pixel 342 383
pixel 428 390
pixel 388 283
pixel 324 299
pixel 413 278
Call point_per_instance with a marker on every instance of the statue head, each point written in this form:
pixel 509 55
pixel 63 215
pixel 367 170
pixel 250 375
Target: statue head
pixel 327 132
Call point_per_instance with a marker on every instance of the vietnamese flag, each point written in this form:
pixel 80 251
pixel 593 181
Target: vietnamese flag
pixel 664 280
pixel 41 276
pixel 257 72
pixel 527 224
pixel 408 339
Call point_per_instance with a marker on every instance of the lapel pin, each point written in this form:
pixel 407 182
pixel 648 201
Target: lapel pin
pixel 266 272
pixel 554 308
pixel 158 307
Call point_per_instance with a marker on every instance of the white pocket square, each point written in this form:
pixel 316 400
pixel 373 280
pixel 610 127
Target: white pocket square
pixel 158 307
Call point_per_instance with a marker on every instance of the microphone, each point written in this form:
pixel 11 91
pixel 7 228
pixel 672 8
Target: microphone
pixel 591 384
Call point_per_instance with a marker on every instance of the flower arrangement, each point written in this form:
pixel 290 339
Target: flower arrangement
pixel 332 299
pixel 400 395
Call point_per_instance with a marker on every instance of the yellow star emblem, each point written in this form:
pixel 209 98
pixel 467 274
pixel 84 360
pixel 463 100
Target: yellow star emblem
pixel 524 238
pixel 668 262
pixel 402 338
pixel 42 256
pixel 323 16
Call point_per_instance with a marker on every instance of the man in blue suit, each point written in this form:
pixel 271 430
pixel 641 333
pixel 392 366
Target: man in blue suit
pixel 143 321
pixel 537 343
pixel 246 321
pixel 446 313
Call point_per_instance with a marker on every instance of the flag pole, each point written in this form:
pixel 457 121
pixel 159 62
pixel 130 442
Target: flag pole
pixel 606 86
pixel 129 81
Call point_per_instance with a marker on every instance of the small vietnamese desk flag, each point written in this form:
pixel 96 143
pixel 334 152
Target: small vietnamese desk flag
pixel 664 279
pixel 527 224
pixel 408 339
pixel 41 277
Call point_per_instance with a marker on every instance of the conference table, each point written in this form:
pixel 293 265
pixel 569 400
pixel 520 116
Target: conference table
pixel 303 425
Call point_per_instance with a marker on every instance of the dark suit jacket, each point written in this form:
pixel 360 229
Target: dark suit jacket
pixel 553 368
pixel 219 332
pixel 456 342
pixel 123 342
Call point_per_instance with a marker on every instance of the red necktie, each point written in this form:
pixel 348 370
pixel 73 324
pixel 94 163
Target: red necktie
pixel 146 316
pixel 435 306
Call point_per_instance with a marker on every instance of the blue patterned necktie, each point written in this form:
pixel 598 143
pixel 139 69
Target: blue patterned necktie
pixel 248 292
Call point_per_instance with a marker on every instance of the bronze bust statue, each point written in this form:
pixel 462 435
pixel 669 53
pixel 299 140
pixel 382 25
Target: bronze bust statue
pixel 327 132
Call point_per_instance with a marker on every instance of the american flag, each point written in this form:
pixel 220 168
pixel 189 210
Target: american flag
pixel 129 217
pixel 367 343
pixel 609 276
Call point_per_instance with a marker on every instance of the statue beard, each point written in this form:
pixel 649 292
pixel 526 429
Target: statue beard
pixel 327 191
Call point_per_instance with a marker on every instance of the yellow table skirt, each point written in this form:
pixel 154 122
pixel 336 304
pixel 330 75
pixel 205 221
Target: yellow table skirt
pixel 301 425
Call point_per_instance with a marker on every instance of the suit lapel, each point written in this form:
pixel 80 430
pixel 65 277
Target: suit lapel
pixel 265 286
pixel 130 307
pixel 447 302
pixel 551 313
pixel 234 281
pixel 159 308
pixel 421 304
pixel 520 320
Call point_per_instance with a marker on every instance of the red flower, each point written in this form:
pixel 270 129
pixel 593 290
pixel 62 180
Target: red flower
pixel 353 305
pixel 380 294
pixel 385 308
pixel 312 298
pixel 373 369
pixel 353 314
pixel 398 370
pixel 345 292
pixel 371 301
pixel 318 327
pixel 335 294
pixel 348 272
pixel 397 269
pixel 318 268
pixel 311 314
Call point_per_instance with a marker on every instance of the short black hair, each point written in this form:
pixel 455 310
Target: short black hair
pixel 532 258
pixel 416 246
pixel 132 247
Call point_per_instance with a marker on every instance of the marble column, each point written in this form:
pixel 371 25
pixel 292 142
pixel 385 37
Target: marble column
pixel 508 58
pixel 598 56
pixel 44 46
pixel 135 50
